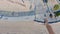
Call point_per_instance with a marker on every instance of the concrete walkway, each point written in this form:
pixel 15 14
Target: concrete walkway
pixel 26 27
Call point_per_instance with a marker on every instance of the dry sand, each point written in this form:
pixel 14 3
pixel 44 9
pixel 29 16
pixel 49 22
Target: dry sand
pixel 15 5
pixel 26 27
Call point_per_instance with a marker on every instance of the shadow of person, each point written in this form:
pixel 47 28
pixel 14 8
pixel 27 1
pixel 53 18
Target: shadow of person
pixel 49 28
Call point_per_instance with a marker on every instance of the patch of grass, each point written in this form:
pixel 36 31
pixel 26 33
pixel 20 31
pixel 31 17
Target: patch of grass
pixel 57 13
pixel 56 7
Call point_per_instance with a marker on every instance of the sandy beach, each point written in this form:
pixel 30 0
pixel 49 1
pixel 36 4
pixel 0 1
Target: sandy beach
pixel 26 27
pixel 15 5
pixel 15 26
